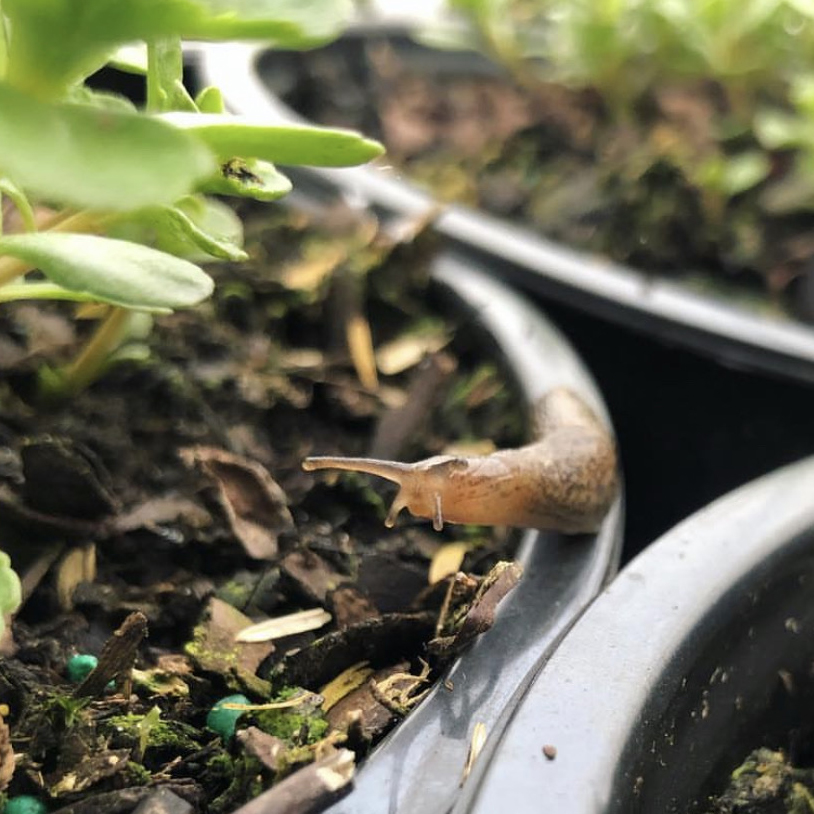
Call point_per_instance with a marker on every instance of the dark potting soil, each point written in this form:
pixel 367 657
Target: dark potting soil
pixel 554 158
pixel 167 502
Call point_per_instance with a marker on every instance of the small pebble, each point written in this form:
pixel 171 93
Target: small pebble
pixel 224 721
pixel 24 804
pixel 550 751
pixel 79 667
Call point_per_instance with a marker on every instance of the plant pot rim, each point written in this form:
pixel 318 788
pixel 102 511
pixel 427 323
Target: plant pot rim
pixel 625 699
pixel 661 308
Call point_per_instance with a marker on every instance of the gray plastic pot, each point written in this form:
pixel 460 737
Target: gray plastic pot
pixel 674 673
pixel 661 308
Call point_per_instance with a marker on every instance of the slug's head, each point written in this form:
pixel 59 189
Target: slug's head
pixel 424 487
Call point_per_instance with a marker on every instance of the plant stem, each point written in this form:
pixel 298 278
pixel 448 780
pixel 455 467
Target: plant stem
pixel 40 291
pixel 85 222
pixel 90 363
pixel 165 76
pixel 3 44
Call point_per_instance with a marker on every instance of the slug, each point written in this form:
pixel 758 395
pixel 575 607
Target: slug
pixel 565 481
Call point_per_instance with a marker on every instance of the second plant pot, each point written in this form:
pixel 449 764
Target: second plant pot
pixel 674 313
pixel 699 652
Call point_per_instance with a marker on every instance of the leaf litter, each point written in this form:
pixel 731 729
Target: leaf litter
pixel 181 475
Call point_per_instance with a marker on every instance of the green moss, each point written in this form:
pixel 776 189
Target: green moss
pixel 136 774
pixel 171 736
pixel 299 726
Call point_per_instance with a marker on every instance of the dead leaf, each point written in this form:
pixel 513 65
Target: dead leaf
pixel 447 561
pixel 383 640
pixel 158 511
pixel 408 350
pixel 77 565
pixel 89 771
pixel 38 526
pixel 308 272
pixel 63 477
pixel 476 743
pixel 215 646
pixel 254 503
pixel 360 347
pixel 281 626
pixel 347 681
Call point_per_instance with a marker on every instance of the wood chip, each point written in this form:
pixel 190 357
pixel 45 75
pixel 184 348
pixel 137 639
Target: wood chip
pixel 117 657
pixel 360 713
pixel 266 748
pixel 217 645
pixel 308 790
pixel 347 681
pixel 281 626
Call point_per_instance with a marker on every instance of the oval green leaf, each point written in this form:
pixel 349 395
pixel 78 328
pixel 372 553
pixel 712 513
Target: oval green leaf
pixel 195 228
pixel 281 144
pixel 56 43
pixel 112 271
pixel 88 157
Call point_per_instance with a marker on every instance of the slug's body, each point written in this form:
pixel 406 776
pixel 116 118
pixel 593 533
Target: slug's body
pixel 565 481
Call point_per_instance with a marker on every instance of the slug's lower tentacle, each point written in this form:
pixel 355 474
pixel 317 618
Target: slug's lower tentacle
pixel 438 517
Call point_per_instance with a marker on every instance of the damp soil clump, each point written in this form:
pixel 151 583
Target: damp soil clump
pixel 157 515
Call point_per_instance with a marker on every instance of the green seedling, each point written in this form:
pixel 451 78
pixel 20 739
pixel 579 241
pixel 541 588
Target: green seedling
pixel 115 202
pixel 10 592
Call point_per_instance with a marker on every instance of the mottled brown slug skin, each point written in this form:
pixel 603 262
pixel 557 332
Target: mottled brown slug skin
pixel 565 481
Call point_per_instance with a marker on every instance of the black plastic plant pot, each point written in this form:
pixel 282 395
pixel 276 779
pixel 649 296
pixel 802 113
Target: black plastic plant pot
pixel 697 653
pixel 711 324
pixel 420 765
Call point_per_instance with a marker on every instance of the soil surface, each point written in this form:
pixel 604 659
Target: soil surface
pixel 659 191
pixel 163 510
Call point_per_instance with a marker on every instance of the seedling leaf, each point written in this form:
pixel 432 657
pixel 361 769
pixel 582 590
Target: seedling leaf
pixel 96 158
pixel 195 228
pixel 249 178
pixel 229 136
pixel 59 42
pixel 112 271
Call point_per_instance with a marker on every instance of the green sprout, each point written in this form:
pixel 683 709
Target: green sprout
pixel 10 592
pixel 128 191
